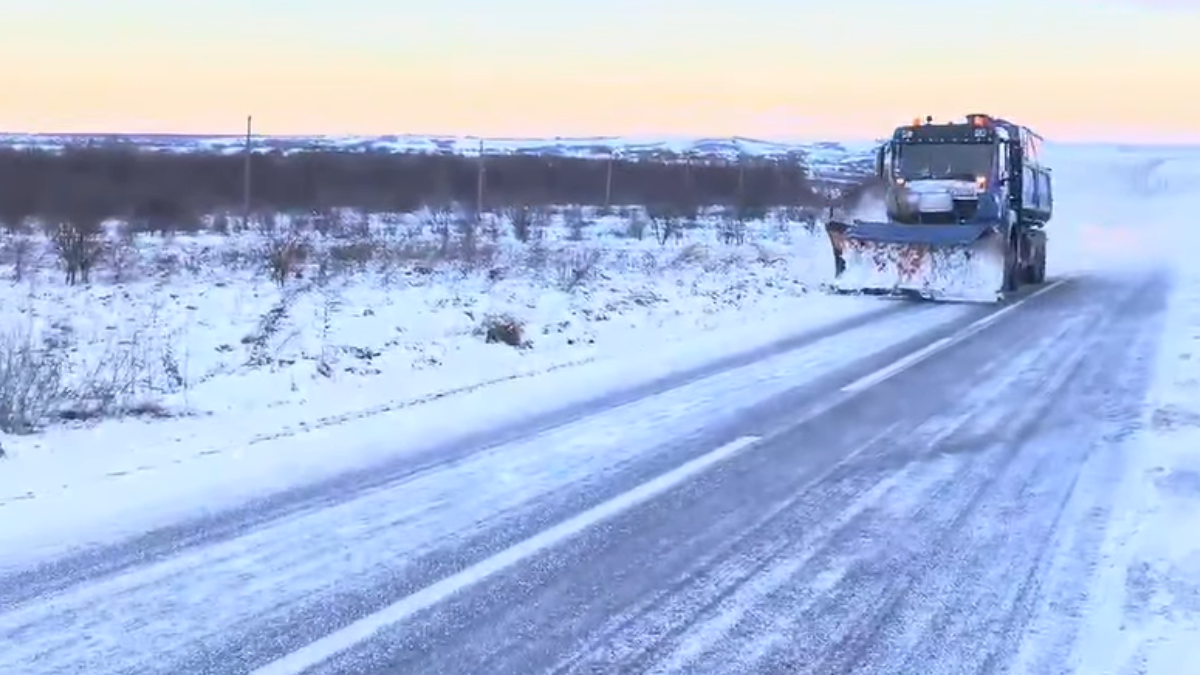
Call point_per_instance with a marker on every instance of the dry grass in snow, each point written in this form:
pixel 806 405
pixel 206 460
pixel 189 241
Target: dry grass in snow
pixel 297 322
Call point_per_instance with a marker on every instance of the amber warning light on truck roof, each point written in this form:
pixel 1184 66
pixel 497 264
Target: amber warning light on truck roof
pixel 979 120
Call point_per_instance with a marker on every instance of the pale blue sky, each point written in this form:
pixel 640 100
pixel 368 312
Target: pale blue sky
pixel 1107 68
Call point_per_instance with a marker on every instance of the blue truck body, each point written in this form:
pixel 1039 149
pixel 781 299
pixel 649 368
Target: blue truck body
pixel 976 186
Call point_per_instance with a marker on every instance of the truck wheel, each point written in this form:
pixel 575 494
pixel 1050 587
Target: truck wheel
pixel 1033 271
pixel 1012 268
pixel 1029 273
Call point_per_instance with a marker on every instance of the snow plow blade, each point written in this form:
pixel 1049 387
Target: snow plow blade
pixel 938 262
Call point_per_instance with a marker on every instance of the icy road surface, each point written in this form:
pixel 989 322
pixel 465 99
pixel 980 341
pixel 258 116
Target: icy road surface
pixel 883 499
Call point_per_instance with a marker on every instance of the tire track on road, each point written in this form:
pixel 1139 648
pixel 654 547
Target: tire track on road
pixel 301 585
pixel 748 569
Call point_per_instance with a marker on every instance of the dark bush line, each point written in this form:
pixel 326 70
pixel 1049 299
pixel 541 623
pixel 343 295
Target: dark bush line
pixel 166 190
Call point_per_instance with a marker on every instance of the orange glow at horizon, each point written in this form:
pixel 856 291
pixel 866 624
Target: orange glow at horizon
pixel 856 84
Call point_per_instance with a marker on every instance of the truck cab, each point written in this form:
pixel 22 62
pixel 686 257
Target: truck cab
pixel 974 171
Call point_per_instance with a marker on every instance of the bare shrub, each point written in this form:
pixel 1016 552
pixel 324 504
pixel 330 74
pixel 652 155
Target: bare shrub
pixel 123 255
pixel 355 226
pixel 493 228
pixel 20 250
pixel 129 369
pixel 166 264
pixel 732 231
pixel 467 229
pixel 34 386
pixel 355 256
pixel 503 329
pixel 285 256
pixel 667 221
pixel 577 268
pixel 79 245
pixel 285 251
pixel 576 222
pixel 541 223
pixel 529 222
pixel 408 229
pixel 223 224
pixel 647 263
pixel 331 304
pixel 441 222
pixel 326 222
pixel 263 341
pixel 781 224
pixel 394 257
pixel 32 382
pixel 522 218
pixel 537 257
pixel 390 224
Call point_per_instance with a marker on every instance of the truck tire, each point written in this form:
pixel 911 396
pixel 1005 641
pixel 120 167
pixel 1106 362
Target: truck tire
pixel 1012 268
pixel 1033 271
pixel 1013 272
pixel 1029 273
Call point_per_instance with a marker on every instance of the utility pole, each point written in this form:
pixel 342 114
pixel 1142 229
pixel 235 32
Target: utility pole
pixel 608 182
pixel 246 177
pixel 689 195
pixel 741 181
pixel 479 185
pixel 780 182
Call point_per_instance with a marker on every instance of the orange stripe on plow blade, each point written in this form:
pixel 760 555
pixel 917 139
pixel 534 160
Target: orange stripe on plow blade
pixel 909 260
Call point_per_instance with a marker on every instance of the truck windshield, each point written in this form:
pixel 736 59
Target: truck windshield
pixel 958 161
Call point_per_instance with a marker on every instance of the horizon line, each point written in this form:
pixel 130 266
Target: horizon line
pixel 626 137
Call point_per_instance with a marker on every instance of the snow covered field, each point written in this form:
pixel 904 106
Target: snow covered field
pixel 216 361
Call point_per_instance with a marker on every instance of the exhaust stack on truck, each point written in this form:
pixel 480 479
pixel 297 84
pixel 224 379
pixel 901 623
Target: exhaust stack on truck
pixel 966 203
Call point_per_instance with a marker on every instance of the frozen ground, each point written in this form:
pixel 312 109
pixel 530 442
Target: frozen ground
pixel 1147 616
pixel 226 369
pixel 1115 590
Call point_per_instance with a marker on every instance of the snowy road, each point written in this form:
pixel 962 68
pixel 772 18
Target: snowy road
pixel 883 499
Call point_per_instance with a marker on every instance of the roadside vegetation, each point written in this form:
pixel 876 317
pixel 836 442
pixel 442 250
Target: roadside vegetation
pixel 104 249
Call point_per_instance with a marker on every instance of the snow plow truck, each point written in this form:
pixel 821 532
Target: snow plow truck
pixel 966 205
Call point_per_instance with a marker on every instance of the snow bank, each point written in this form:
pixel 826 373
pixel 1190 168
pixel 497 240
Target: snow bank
pixel 1144 615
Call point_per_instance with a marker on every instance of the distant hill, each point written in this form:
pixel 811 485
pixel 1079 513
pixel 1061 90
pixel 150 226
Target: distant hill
pixel 826 159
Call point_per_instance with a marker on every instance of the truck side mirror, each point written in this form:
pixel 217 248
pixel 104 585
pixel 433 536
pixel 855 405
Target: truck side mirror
pixel 879 159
